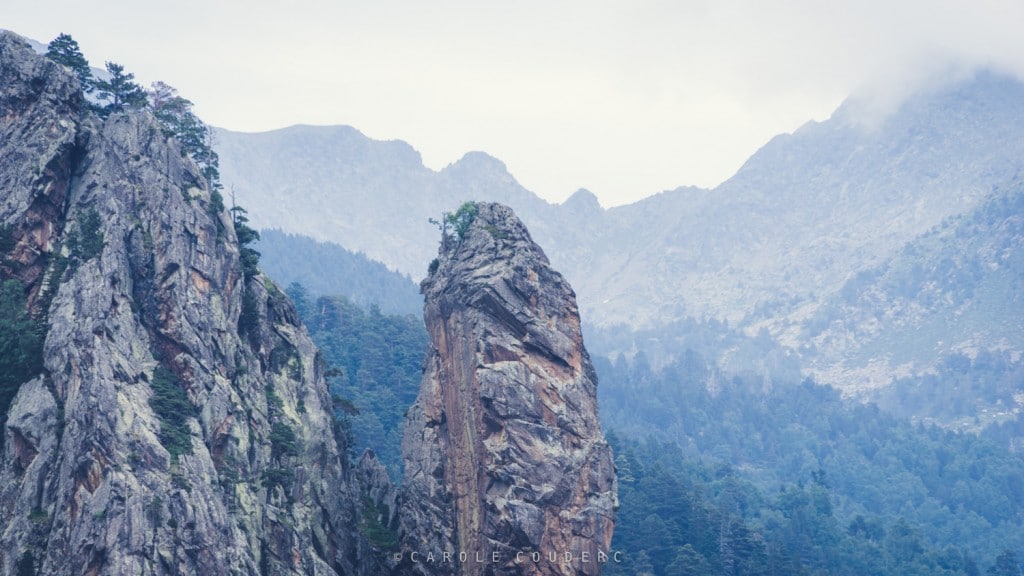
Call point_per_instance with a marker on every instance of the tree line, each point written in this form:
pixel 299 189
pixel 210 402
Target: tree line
pixel 837 486
pixel 119 92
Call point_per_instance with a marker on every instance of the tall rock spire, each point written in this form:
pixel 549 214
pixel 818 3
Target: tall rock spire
pixel 507 470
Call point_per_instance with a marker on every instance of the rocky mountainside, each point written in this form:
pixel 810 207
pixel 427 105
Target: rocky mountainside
pixel 955 290
pixel 180 422
pixel 506 468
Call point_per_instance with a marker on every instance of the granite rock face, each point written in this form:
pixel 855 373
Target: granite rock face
pixel 506 468
pixel 88 481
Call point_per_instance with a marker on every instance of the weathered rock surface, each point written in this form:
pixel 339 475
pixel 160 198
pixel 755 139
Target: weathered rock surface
pixel 507 470
pixel 87 482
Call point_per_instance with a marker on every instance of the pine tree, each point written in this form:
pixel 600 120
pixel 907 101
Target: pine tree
pixel 177 119
pixel 687 562
pixel 64 50
pixel 175 115
pixel 21 356
pixel 246 235
pixel 121 91
pixel 300 297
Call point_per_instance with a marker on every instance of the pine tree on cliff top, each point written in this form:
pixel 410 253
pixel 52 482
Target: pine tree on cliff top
pixel 64 50
pixel 121 90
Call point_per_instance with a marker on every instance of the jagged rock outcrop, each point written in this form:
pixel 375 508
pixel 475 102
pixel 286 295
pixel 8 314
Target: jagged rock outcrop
pixel 115 239
pixel 506 468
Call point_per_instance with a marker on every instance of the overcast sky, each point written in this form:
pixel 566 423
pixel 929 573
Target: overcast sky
pixel 625 98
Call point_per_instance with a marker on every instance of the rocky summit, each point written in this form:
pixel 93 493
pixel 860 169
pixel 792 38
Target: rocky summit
pixel 506 468
pixel 178 421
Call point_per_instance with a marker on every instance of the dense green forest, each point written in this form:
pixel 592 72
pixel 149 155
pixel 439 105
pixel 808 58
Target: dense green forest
pixel 736 473
pixel 952 489
pixel 375 365
pixel 680 517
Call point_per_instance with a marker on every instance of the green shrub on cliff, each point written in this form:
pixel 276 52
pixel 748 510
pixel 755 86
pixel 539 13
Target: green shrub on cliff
pixel 87 242
pixel 21 344
pixel 172 407
pixel 462 218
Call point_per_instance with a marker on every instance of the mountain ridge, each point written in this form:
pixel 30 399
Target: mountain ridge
pixel 765 249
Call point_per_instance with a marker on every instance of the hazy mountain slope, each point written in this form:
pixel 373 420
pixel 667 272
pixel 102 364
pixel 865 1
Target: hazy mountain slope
pixel 954 290
pixel 803 214
pixel 335 184
pixel 811 208
pixel 327 269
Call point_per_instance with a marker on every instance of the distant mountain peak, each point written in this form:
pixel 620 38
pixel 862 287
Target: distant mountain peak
pixel 347 145
pixel 582 197
pixel 583 202
pixel 478 162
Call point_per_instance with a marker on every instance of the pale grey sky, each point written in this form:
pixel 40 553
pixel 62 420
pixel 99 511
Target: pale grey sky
pixel 625 98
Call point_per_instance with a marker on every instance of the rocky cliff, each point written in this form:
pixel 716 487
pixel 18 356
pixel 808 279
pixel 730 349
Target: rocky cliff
pixel 180 423
pixel 507 471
